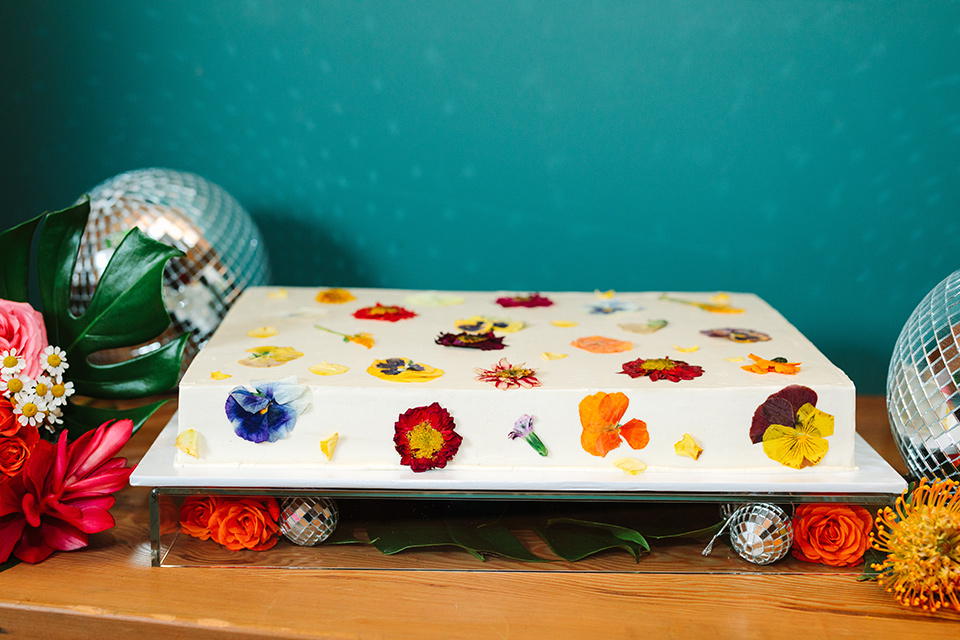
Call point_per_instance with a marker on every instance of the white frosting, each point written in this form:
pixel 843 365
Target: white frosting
pixel 715 408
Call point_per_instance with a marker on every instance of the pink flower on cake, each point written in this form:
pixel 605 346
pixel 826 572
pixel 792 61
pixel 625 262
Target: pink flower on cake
pixel 22 330
pixel 504 375
pixel 63 493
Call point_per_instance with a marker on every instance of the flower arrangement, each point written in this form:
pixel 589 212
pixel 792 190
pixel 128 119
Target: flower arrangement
pixel 33 392
pixel 236 522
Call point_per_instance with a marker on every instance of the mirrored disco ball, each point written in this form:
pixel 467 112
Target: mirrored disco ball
pixel 224 251
pixel 308 520
pixel 760 533
pixel 922 397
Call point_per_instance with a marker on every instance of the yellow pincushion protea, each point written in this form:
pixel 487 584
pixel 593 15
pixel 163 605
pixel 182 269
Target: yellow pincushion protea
pixel 921 537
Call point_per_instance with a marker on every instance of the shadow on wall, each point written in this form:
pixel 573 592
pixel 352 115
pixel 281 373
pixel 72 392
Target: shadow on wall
pixel 304 253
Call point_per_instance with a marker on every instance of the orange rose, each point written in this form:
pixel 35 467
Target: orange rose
pixel 8 421
pixel 195 515
pixel 16 449
pixel 831 534
pixel 245 522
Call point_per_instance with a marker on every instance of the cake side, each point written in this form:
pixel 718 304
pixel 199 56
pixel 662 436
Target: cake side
pixel 715 408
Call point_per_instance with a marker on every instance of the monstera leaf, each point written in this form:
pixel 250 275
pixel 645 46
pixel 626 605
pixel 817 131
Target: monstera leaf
pixel 126 309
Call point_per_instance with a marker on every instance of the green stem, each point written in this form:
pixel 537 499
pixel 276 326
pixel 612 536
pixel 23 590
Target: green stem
pixel 536 443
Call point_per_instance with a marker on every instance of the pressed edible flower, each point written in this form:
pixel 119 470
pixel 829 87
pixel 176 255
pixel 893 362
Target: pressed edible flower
pixel 687 446
pixel 267 412
pixel 600 416
pixel 329 445
pixel 600 344
pixel 523 428
pixel 63 493
pixel 269 356
pixel 801 445
pixel 504 375
pixel 483 341
pixel 363 339
pixel 384 313
pixel 187 442
pixel 630 466
pixel 777 365
pixel 335 296
pixel 650 326
pixel 263 332
pixel 484 324
pixel 611 306
pixel 550 355
pixel 219 375
pixel 712 307
pixel 836 535
pixel 328 369
pixel 737 335
pixel 425 438
pixel 921 537
pixel 403 370
pixel 529 300
pixel 661 369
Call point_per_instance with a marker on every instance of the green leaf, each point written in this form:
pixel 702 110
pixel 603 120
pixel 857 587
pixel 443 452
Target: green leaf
pixel 343 535
pixel 15 247
pixel 126 310
pixel 78 419
pixel 490 538
pixel 575 540
pixel 396 537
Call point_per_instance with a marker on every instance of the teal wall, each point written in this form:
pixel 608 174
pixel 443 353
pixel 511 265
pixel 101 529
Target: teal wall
pixel 806 151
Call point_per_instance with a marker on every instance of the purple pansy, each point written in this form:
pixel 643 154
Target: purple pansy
pixel 269 412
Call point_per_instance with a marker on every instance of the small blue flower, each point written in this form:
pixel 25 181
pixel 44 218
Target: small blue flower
pixel 608 307
pixel 269 412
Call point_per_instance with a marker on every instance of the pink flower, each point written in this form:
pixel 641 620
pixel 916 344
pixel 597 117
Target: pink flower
pixel 22 328
pixel 63 493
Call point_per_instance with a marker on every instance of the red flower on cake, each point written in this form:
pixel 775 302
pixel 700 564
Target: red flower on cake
pixel 63 493
pixel 530 300
pixel 661 369
pixel 384 313
pixel 425 438
pixel 507 376
pixel 483 341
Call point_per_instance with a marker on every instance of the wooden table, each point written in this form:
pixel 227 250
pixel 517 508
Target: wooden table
pixel 110 589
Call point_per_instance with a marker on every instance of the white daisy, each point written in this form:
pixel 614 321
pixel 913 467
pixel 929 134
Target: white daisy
pixel 11 363
pixel 29 409
pixel 59 392
pixel 12 384
pixel 53 360
pixel 54 417
pixel 43 388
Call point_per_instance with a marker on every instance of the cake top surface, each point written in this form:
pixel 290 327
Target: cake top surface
pixel 375 338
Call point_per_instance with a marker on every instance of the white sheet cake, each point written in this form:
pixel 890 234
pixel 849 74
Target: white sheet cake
pixel 562 364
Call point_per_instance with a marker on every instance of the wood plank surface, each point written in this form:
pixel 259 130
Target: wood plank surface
pixel 110 589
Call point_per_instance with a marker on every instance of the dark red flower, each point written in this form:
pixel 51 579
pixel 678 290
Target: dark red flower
pixel 425 437
pixel 63 493
pixel 780 408
pixel 15 450
pixel 531 300
pixel 483 341
pixel 382 312
pixel 661 369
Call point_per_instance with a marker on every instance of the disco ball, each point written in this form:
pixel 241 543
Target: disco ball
pixel 224 251
pixel 761 533
pixel 922 382
pixel 308 520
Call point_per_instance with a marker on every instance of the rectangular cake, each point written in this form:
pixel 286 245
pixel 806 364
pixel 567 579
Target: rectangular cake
pixel 432 382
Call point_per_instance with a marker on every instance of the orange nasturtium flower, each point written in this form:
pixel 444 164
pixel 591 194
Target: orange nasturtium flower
pixel 599 344
pixel 777 365
pixel 600 416
pixel 335 296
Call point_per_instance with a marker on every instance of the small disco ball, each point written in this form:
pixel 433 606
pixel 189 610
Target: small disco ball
pixel 308 520
pixel 224 251
pixel 760 533
pixel 922 397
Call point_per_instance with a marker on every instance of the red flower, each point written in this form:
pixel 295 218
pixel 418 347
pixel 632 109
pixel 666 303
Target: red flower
pixel 425 439
pixel 531 300
pixel 831 534
pixel 245 522
pixel 381 312
pixel 63 493
pixel 483 341
pixel 15 449
pixel 661 369
pixel 507 376
pixel 8 421
pixel 780 408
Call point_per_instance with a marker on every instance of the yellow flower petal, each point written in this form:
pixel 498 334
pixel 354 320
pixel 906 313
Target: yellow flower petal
pixel 263 332
pixel 187 442
pixel 328 445
pixel 328 369
pixel 688 447
pixel 794 448
pixel 335 296
pixel 425 374
pixel 219 375
pixel 474 324
pixel 564 323
pixel 812 418
pixel 604 295
pixel 721 299
pixel 549 355
pixel 279 293
pixel 269 356
pixel 631 466
pixel 735 359
pixel 687 349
